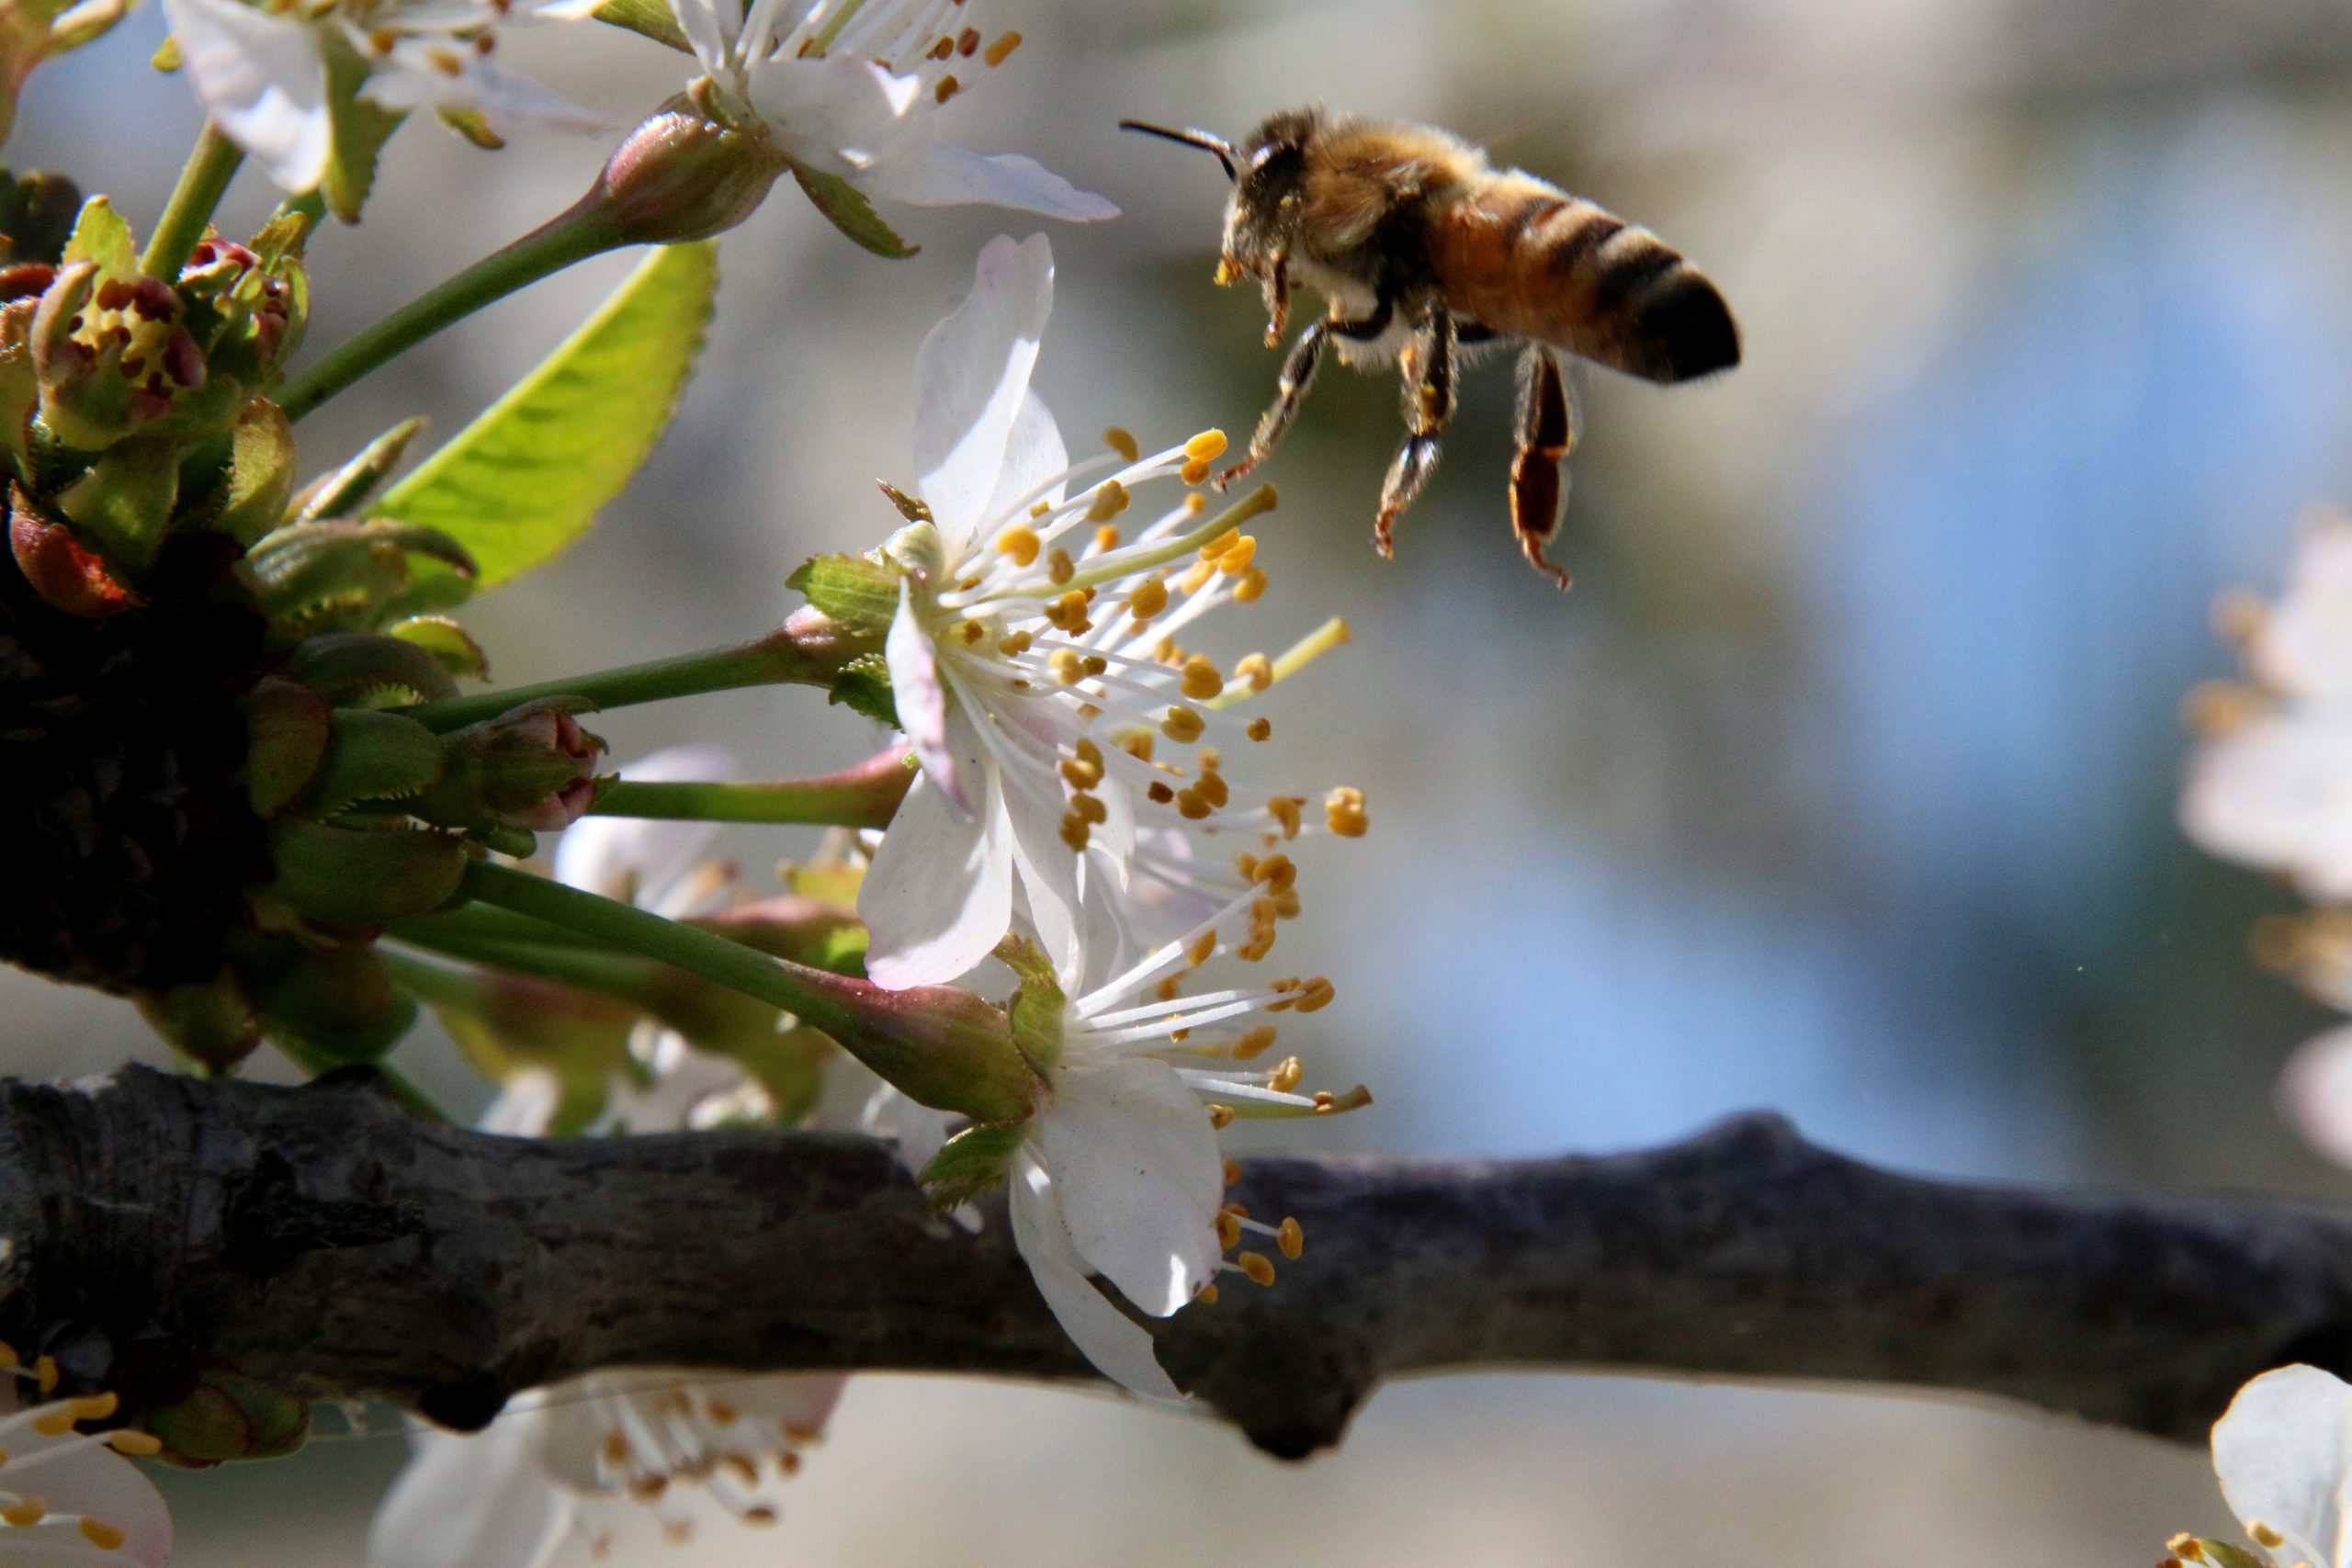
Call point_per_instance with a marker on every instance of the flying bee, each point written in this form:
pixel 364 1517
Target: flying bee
pixel 1423 249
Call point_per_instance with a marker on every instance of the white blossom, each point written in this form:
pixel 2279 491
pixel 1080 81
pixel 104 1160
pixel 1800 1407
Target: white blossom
pixel 849 88
pixel 2283 1453
pixel 1059 724
pixel 261 73
pixel 68 1496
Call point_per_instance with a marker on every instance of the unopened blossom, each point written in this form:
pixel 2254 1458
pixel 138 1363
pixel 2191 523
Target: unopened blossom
pixel 1120 1176
pixel 1069 741
pixel 851 88
pixel 2283 1453
pixel 66 1494
pixel 2271 785
pixel 262 70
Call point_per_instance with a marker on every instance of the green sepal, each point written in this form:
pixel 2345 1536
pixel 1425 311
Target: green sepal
pixel 353 877
pixel 358 128
pixel 647 18
pixel 261 473
pixel 287 729
pixel 125 499
pixel 470 125
pixel 229 1415
pixel 338 576
pixel 863 686
pixel 338 1005
pixel 845 206
pixel 375 757
pixel 101 237
pixel 448 641
pixel 862 595
pixel 211 1023
pixel 519 842
pixel 527 478
pixel 356 669
pixel 970 1165
pixel 341 492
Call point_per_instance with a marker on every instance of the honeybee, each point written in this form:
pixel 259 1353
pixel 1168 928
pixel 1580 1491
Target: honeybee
pixel 1423 249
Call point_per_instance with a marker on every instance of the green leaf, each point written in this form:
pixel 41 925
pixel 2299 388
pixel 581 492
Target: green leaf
pixel 971 1164
pixel 526 478
pixel 859 593
pixel 652 19
pixel 864 687
pixel 849 211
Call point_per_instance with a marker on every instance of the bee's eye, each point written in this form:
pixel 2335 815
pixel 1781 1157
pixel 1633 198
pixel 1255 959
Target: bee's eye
pixel 1267 155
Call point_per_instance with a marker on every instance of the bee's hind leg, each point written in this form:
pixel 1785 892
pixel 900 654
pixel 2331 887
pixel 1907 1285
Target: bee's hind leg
pixel 1539 470
pixel 1429 406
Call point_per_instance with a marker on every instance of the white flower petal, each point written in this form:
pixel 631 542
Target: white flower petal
pixel 2276 792
pixel 939 894
pixel 940 173
pixel 1140 1177
pixel 262 79
pixel 709 27
pixel 2316 1093
pixel 838 113
pixel 411 77
pixel 473 1502
pixel 525 1107
pixel 921 697
pixel 688 1078
pixel 2283 1450
pixel 798 1402
pixel 1118 1347
pixel 1033 454
pixel 2304 647
pixel 971 379
pixel 97 1483
pixel 641 856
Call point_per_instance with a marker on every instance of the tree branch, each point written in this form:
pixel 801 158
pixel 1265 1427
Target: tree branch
pixel 323 1240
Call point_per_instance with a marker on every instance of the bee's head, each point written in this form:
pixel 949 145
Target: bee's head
pixel 1269 185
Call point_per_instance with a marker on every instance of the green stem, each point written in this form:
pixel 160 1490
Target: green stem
pixel 807 650
pixel 318 1062
pixel 571 237
pixel 866 796
pixel 211 165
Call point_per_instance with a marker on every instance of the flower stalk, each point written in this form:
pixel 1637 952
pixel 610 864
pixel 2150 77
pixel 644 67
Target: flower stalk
pixel 211 164
pixel 866 796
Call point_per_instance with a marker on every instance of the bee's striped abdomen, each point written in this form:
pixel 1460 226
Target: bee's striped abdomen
pixel 1532 261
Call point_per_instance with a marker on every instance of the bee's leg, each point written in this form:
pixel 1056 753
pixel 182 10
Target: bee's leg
pixel 1298 377
pixel 1276 279
pixel 1429 405
pixel 1539 470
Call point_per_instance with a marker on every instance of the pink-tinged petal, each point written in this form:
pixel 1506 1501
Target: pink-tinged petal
pixel 2316 1093
pixel 2283 1451
pixel 1034 455
pixel 940 173
pixel 939 894
pixel 971 379
pixel 1140 1177
pixel 1114 1343
pixel 921 697
pixel 473 1502
pixel 2276 792
pixel 640 857
pixel 2304 646
pixel 264 82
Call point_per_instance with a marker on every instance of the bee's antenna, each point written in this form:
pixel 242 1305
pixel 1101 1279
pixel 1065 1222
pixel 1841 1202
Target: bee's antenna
pixel 1201 139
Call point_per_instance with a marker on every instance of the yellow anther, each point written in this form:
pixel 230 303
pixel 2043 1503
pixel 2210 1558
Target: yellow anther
pixel 1257 670
pixel 948 87
pixel 1194 470
pixel 1080 773
pixel 1094 664
pixel 1246 864
pixel 1284 905
pixel 24 1513
pixel 1020 542
pixel 1252 588
pixel 2188 1547
pixel 1147 599
pixel 1232 1171
pixel 1254 1044
pixel 1211 758
pixel 1060 567
pixel 1139 745
pixel 45 1374
pixel 1168 989
pixel 2263 1536
pixel 1324 1103
pixel 1116 439
pixel 1183 724
pixel 1343 808
pixel 1194 806
pixel 1196 504
pixel 1260 729
pixel 758 1514
pixel 1277 871
pixel 996 54
pixel 1207 447
pixel 1074 832
pixel 1214 550
pixel 1256 948
pixel 1286 1075
pixel 1202 680
pixel 1064 664
pixel 1316 996
pixel 1110 499
pixel 1220 1117
pixel 1106 537
pixel 1039 509
pixel 146 1445
pixel 1089 753
pixel 54 1423
pixel 967 42
pixel 95 1406
pixel 1236 561
pixel 1291 1236
pixel 1203 945
pixel 1258 1267
pixel 1090 808
pixel 615 1448
pixel 971 632
pixel 1167 652
pixel 1197 576
pixel 1014 646
pixel 1160 794
pixel 1212 788
pixel 1228 1232
pixel 1284 809
pixel 941 49
pixel 1207 1296
pixel 102 1535
pixel 10 1360
pixel 1068 612
pixel 1239 1211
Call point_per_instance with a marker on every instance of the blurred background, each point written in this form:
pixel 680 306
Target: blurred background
pixel 1843 783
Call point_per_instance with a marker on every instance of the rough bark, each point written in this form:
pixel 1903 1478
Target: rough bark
pixel 325 1241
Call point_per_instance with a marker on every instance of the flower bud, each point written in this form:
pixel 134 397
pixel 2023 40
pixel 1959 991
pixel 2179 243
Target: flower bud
pixel 339 1003
pixel 939 1046
pixel 211 1023
pixel 67 576
pixel 363 877
pixel 532 767
pixel 680 176
pixel 229 1415
pixel 337 576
